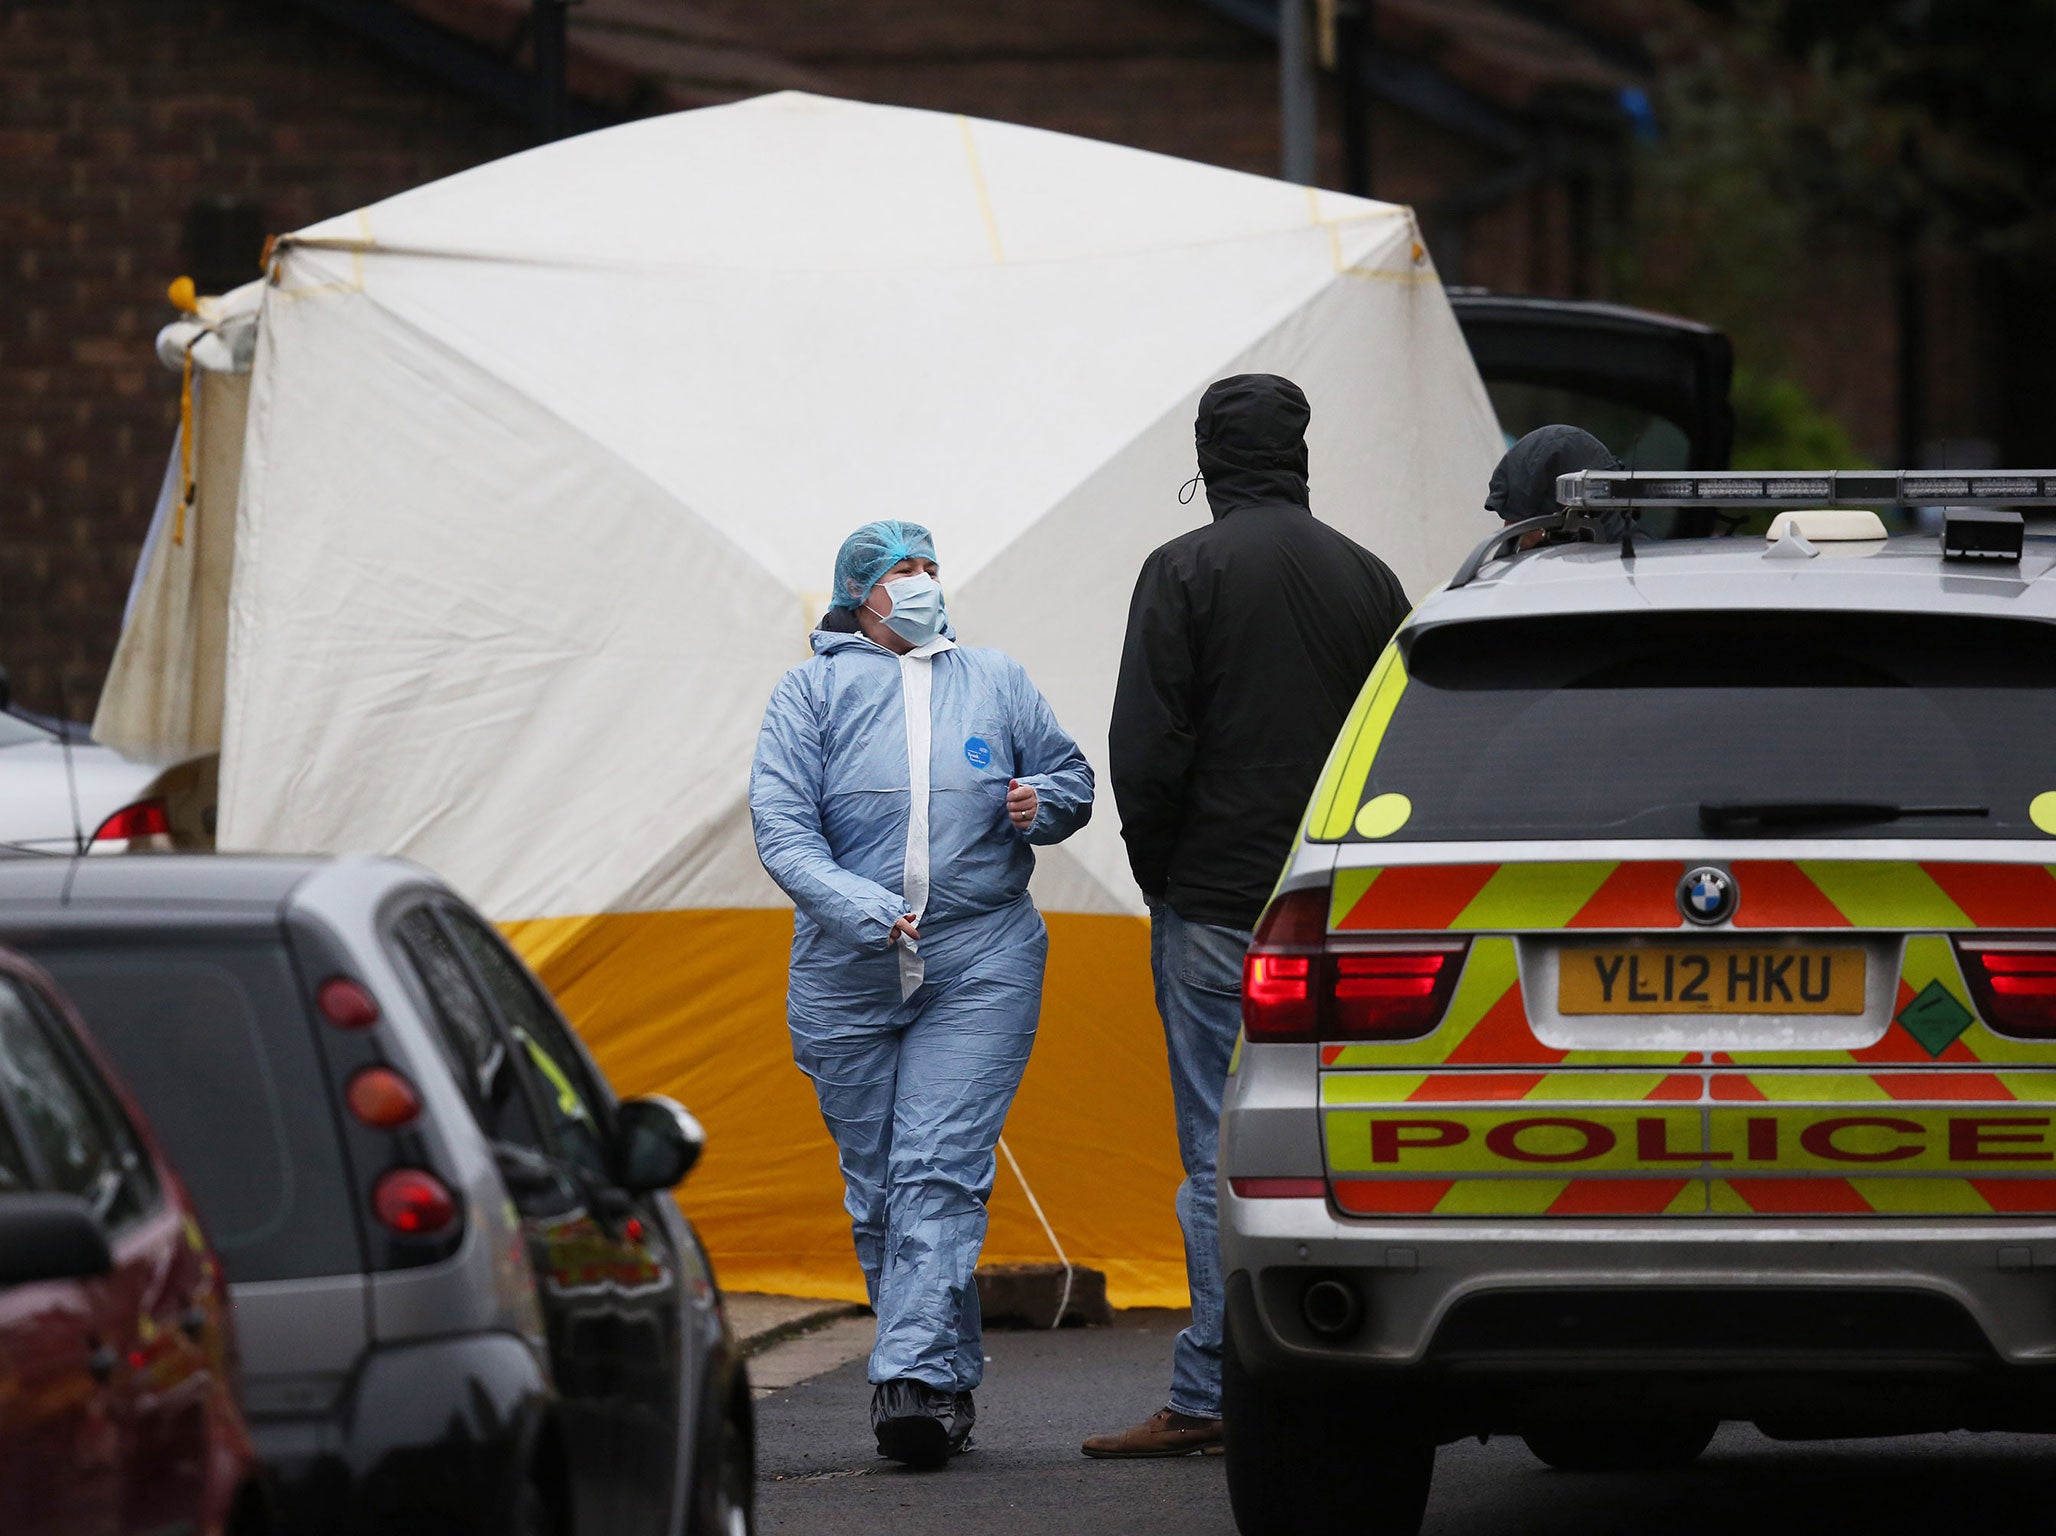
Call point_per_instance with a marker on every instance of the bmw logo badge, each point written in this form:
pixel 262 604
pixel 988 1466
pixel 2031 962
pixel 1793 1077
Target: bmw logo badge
pixel 1707 895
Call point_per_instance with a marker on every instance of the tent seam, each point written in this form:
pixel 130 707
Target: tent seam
pixel 984 194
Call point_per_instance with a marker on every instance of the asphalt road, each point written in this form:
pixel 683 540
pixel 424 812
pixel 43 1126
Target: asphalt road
pixel 1045 1392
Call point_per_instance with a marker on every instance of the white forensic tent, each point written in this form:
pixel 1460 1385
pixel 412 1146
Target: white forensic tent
pixel 545 469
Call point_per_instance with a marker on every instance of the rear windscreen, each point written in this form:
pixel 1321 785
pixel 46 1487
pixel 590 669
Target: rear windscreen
pixel 212 1039
pixel 1612 726
pixel 15 731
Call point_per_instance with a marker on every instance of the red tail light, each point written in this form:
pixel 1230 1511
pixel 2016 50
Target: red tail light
pixel 346 1004
pixel 1297 984
pixel 1391 994
pixel 1277 997
pixel 146 818
pixel 1279 1000
pixel 2013 984
pixel 413 1203
pixel 382 1099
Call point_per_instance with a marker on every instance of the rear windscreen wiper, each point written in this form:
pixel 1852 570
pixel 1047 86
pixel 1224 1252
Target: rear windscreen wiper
pixel 1721 815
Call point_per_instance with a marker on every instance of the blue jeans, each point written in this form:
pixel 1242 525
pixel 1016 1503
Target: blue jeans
pixel 1198 970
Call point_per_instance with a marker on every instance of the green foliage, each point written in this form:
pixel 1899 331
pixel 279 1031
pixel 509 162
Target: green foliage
pixel 1934 112
pixel 1800 137
pixel 1722 223
pixel 1779 426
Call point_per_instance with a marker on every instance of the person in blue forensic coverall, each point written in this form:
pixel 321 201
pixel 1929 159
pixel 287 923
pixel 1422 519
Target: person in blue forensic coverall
pixel 899 783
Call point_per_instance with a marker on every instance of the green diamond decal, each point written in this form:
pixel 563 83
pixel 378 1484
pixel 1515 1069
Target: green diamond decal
pixel 1935 1018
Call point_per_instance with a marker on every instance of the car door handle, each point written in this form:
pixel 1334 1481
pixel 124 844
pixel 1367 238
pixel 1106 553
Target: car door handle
pixel 102 1361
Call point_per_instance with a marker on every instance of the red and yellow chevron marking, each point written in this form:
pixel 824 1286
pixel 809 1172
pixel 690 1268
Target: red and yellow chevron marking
pixel 1940 1116
pixel 1928 960
pixel 1486 1026
pixel 1473 898
pixel 1621 1086
pixel 1827 893
pixel 1882 1197
pixel 1487 1022
pixel 1894 895
pixel 1520 1197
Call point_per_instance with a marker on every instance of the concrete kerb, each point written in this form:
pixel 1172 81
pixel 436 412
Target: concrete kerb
pixel 1012 1295
pixel 759 1321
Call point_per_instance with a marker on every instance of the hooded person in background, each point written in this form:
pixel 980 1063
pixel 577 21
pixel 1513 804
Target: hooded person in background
pixel 900 782
pixel 1248 641
pixel 1524 481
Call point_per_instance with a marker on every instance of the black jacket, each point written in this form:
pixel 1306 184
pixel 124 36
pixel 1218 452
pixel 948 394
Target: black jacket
pixel 1524 481
pixel 1248 641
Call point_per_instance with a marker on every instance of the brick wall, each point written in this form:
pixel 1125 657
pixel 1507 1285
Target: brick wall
pixel 115 115
pixel 1163 75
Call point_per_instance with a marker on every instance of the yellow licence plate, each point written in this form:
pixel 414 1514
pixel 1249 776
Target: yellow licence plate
pixel 1710 979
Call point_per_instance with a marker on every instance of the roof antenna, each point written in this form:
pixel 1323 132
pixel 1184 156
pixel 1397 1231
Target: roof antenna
pixel 71 773
pixel 71 784
pixel 1633 513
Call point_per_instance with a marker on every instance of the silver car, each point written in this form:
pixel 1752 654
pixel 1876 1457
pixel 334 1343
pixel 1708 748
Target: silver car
pixel 1656 1022
pixel 466 1298
pixel 61 795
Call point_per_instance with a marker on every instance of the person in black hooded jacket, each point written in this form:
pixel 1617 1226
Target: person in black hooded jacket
pixel 1248 641
pixel 1524 481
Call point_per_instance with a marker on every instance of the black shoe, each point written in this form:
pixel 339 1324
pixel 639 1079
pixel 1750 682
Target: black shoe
pixel 913 1421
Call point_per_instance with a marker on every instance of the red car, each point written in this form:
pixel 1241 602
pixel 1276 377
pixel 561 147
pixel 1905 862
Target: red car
pixel 117 1357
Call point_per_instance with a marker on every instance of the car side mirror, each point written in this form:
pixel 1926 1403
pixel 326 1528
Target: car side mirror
pixel 656 1144
pixel 51 1237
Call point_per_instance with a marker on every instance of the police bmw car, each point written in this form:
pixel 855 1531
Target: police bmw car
pixel 1656 1022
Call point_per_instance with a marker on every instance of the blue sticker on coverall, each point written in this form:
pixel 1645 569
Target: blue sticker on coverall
pixel 977 753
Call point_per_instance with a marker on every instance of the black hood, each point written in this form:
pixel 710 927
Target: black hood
pixel 1524 484
pixel 1251 436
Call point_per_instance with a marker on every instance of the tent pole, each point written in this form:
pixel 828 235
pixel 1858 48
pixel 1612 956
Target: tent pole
pixel 1354 24
pixel 1296 93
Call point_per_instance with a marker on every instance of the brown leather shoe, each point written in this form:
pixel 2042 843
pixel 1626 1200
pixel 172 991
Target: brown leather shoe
pixel 1163 1433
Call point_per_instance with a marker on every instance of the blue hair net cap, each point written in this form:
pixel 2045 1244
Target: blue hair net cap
pixel 873 550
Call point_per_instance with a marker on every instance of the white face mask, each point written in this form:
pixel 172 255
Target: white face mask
pixel 917 614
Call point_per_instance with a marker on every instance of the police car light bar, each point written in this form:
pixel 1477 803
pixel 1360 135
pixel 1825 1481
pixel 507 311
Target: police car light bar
pixel 1593 488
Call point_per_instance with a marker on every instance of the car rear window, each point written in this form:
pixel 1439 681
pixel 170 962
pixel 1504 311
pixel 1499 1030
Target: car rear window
pixel 212 1038
pixel 1624 725
pixel 15 731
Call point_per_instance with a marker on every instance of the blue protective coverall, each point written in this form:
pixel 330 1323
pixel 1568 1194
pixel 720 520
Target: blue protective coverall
pixel 915 1058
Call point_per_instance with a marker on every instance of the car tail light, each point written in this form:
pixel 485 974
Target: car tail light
pixel 1279 996
pixel 1390 994
pixel 346 1004
pixel 413 1203
pixel 382 1099
pixel 135 823
pixel 2014 985
pixel 1300 984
